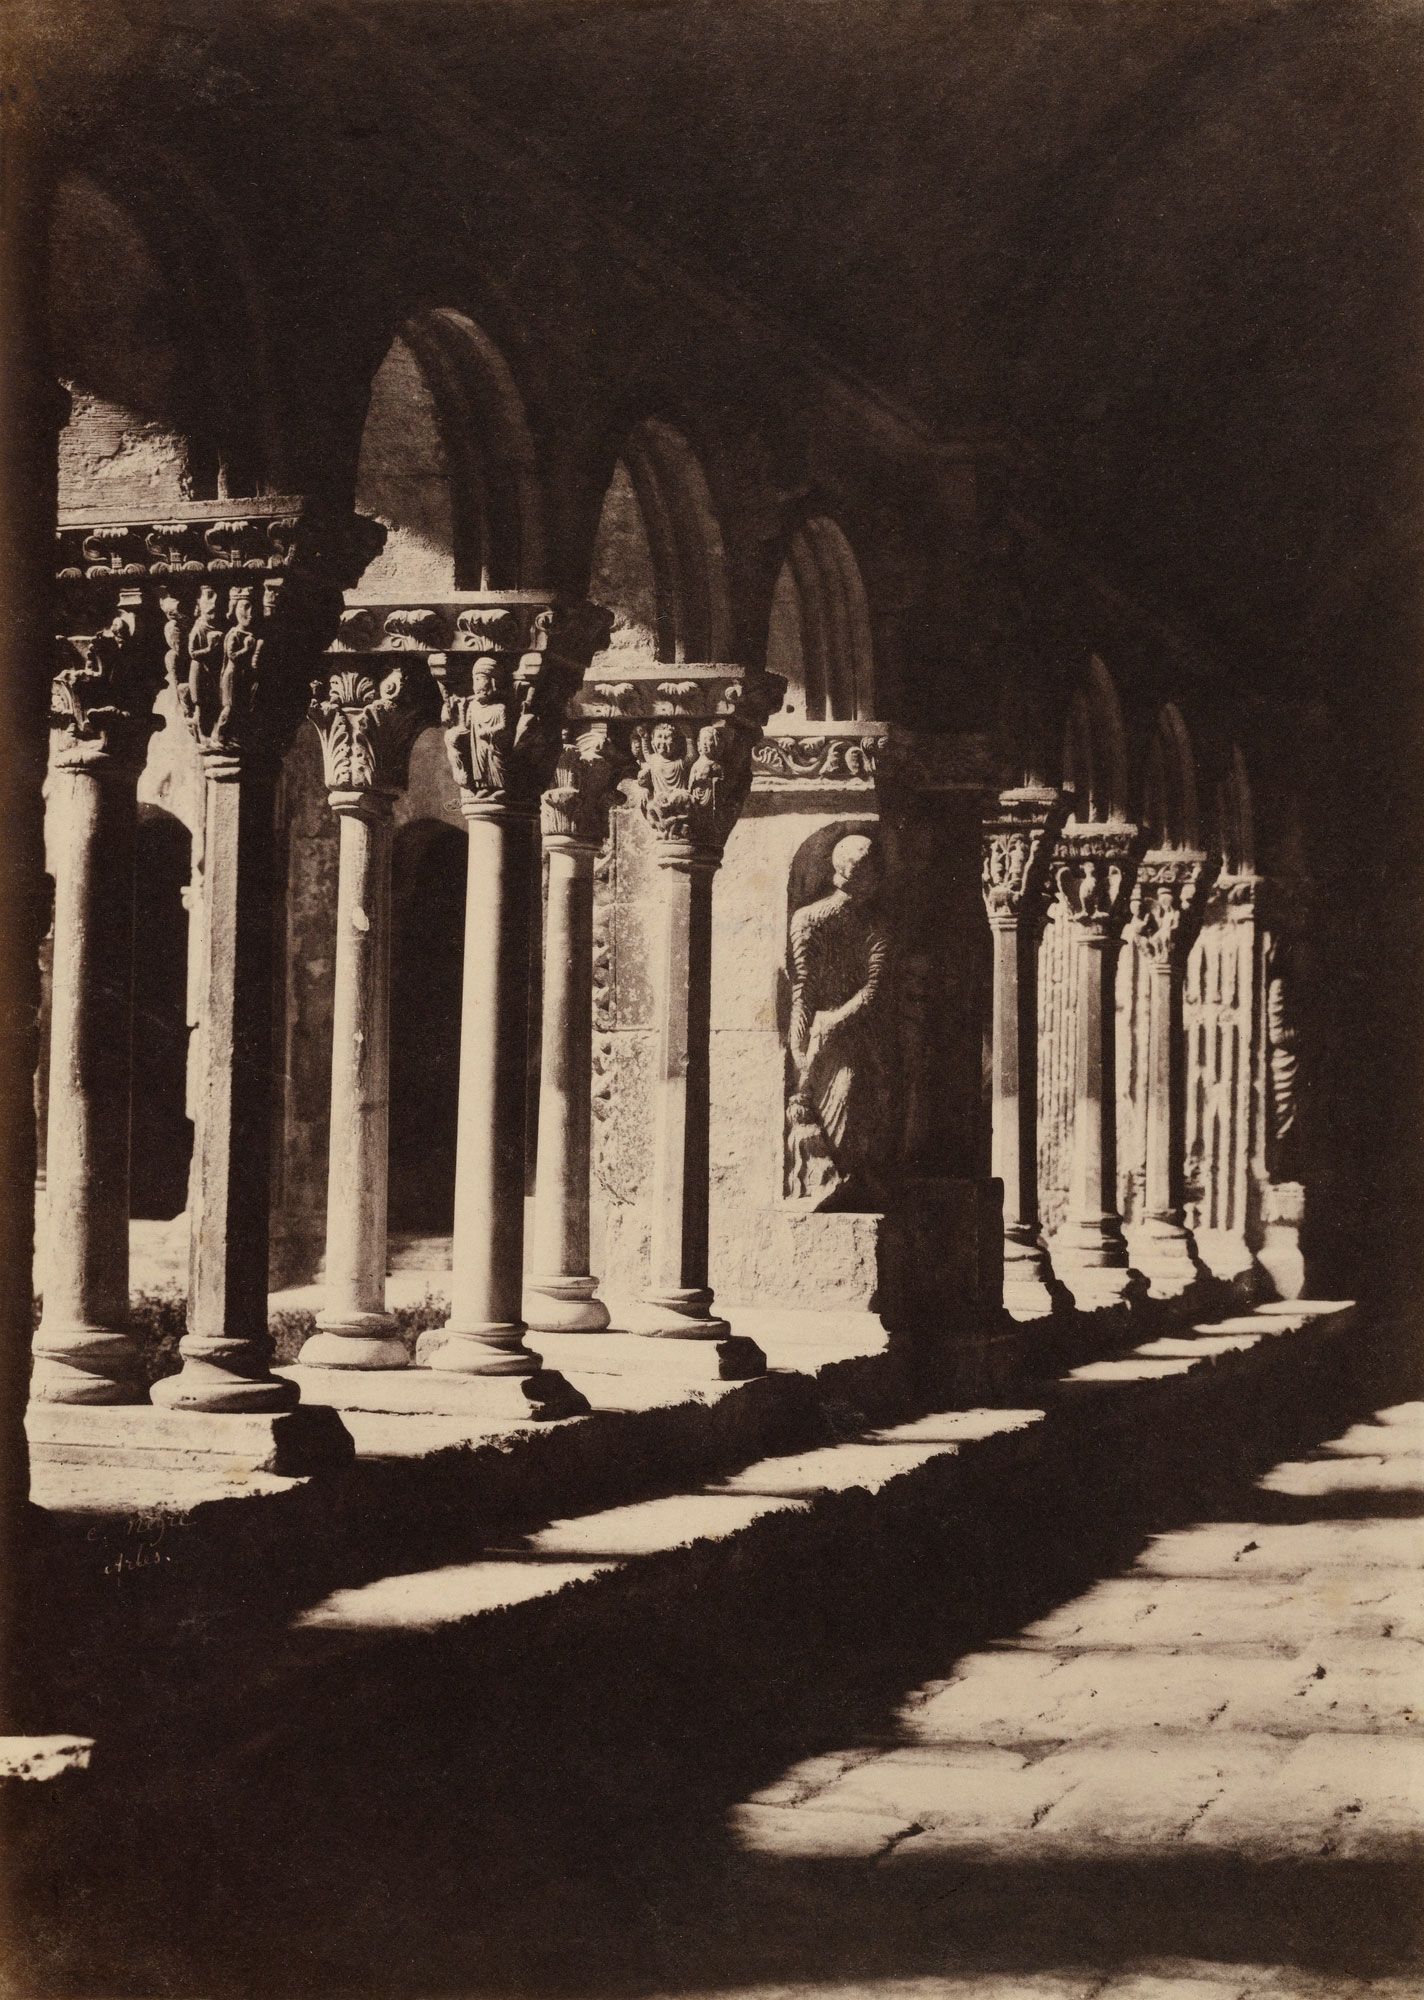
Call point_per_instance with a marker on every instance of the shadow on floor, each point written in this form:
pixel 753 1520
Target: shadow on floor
pixel 541 1803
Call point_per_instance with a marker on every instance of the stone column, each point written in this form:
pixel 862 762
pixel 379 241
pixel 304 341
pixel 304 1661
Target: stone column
pixel 1093 870
pixel 103 717
pixel 1165 914
pixel 693 788
pixel 242 652
pixel 32 411
pixel 1017 842
pixel 560 1292
pixel 506 686
pixel 367 722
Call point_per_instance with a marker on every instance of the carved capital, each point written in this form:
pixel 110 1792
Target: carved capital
pixel 1233 898
pixel 101 699
pixel 1018 840
pixel 1093 869
pixel 506 684
pixel 692 731
pixel 692 787
pixel 588 767
pixel 368 725
pixel 247 604
pixel 1165 907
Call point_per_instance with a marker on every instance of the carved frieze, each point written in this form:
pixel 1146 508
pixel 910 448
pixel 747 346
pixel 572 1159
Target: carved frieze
pixel 1093 869
pixel 1165 907
pixel 820 760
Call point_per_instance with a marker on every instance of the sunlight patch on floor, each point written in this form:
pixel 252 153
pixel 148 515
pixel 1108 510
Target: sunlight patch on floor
pixel 1248 1688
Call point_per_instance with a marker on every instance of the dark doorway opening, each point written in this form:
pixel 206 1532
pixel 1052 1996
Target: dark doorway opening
pixel 161 1143
pixel 427 957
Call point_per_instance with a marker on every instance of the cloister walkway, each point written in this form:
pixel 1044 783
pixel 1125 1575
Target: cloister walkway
pixel 1136 1716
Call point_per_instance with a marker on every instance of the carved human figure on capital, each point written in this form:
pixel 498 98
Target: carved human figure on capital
pixel 838 952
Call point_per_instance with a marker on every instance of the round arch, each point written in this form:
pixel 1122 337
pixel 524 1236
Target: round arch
pixel 659 563
pixel 1170 807
pixel 148 424
pixel 447 463
pixel 1233 827
pixel 819 633
pixel 1095 762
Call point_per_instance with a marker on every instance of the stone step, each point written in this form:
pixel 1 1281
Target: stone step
pixel 578 1548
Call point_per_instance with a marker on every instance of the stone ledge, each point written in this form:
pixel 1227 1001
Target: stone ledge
pixel 142 1437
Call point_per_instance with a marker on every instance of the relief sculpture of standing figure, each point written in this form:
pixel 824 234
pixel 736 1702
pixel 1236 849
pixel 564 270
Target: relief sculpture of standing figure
pixel 838 957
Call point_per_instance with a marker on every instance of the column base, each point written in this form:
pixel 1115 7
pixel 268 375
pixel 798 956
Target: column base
pixel 1030 1289
pixel 355 1340
pixel 1166 1255
pixel 87 1365
pixel 495 1349
pixel 520 1387
pixel 295 1442
pixel 682 1315
pixel 564 1305
pixel 207 1388
pixel 1094 1287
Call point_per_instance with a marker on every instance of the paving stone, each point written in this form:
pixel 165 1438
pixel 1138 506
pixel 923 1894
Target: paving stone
pixel 1400 1440
pixel 1255 1549
pixel 1208 1614
pixel 804 1779
pixel 970 1788
pixel 789 1834
pixel 987 1698
pixel 1350 1797
pixel 1137 1794
pixel 1354 1473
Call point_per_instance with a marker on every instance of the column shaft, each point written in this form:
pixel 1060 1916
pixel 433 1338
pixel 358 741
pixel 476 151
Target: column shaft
pixel 31 412
pixel 84 1351
pixel 227 1349
pixel 1094 1228
pixel 1163 1191
pixel 355 1330
pixel 1014 1111
pixel 679 1290
pixel 559 1293
pixel 485 1333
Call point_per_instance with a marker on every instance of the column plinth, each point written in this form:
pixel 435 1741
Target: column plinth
pixel 84 1350
pixel 1093 873
pixel 368 722
pixel 1017 842
pixel 1165 904
pixel 505 688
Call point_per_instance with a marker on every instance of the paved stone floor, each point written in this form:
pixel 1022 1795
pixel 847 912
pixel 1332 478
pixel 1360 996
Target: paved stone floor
pixel 1137 1718
pixel 1250 1690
